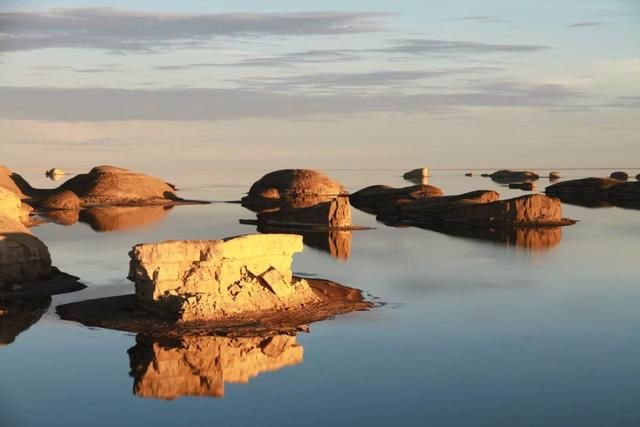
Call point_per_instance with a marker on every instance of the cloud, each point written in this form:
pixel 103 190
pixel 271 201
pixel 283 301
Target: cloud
pixel 585 24
pixel 485 19
pixel 432 46
pixel 103 104
pixel 122 30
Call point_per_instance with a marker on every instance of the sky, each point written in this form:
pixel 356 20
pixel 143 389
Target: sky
pixel 330 84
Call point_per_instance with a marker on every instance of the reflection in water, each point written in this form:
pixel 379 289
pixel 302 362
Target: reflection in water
pixel 335 242
pixel 533 239
pixel 18 315
pixel 123 218
pixel 199 366
pixel 119 218
pixel 424 180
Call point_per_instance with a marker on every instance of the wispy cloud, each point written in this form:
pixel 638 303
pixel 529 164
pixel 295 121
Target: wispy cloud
pixel 418 46
pixel 101 104
pixel 484 19
pixel 123 30
pixel 585 24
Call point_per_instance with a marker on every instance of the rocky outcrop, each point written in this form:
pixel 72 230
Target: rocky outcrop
pixel 63 200
pixel 377 198
pixel 510 176
pixel 619 175
pixel 297 188
pixel 200 366
pixel 218 279
pixel 103 185
pixel 332 214
pixel 590 191
pixel 416 174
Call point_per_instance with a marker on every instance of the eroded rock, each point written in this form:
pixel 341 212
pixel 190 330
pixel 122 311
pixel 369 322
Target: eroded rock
pixel 63 200
pixel 333 214
pixel 200 366
pixel 595 191
pixel 510 176
pixel 296 188
pixel 376 198
pixel 218 279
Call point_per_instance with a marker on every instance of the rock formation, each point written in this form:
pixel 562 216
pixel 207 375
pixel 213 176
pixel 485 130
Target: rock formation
pixel 619 175
pixel 297 188
pixel 554 176
pixel 63 200
pixel 416 174
pixel 589 191
pixel 509 176
pixel 103 185
pixel 200 366
pixel 218 279
pixel 333 214
pixel 376 198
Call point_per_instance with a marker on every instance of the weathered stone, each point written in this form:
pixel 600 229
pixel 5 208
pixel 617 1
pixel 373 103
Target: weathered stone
pixel 509 176
pixel 23 257
pixel 588 191
pixel 218 279
pixel 379 197
pixel 200 366
pixel 619 175
pixel 416 174
pixel 292 183
pixel 64 200
pixel 335 213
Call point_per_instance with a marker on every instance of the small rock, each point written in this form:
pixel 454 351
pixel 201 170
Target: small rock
pixel 468 174
pixel 554 175
pixel 416 174
pixel 620 175
pixel 527 186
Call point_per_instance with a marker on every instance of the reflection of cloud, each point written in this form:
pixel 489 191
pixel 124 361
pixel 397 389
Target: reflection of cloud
pixel 97 104
pixel 122 30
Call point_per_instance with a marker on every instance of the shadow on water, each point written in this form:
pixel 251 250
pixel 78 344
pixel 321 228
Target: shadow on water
pixel 18 315
pixel 201 365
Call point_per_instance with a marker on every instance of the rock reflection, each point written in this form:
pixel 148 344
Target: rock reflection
pixel 201 365
pixel 337 243
pixel 18 315
pixel 123 218
pixel 532 239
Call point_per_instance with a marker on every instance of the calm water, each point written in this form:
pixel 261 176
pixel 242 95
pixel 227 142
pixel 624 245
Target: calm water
pixel 474 332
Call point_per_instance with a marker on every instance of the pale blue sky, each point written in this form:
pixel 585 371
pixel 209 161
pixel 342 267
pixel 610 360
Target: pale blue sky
pixel 228 64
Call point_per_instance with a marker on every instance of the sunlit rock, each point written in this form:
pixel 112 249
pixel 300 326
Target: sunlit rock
pixel 510 176
pixel 63 200
pixel 416 174
pixel 554 176
pixel 218 279
pixel 335 214
pixel 619 175
pixel 200 366
pixel 294 188
pixel 377 198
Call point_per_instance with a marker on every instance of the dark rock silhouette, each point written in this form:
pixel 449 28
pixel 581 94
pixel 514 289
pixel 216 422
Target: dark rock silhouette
pixel 619 175
pixel 595 191
pixel 468 174
pixel 554 176
pixel 509 176
pixel 638 177
pixel 376 198
pixel 19 314
pixel 526 186
pixel 416 174
pixel 201 365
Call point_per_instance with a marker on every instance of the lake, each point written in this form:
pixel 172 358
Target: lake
pixel 520 331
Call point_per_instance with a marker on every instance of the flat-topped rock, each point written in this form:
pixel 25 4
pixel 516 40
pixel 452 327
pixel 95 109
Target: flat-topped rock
pixel 200 366
pixel 332 214
pixel 300 187
pixel 217 279
pixel 416 174
pixel 511 176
